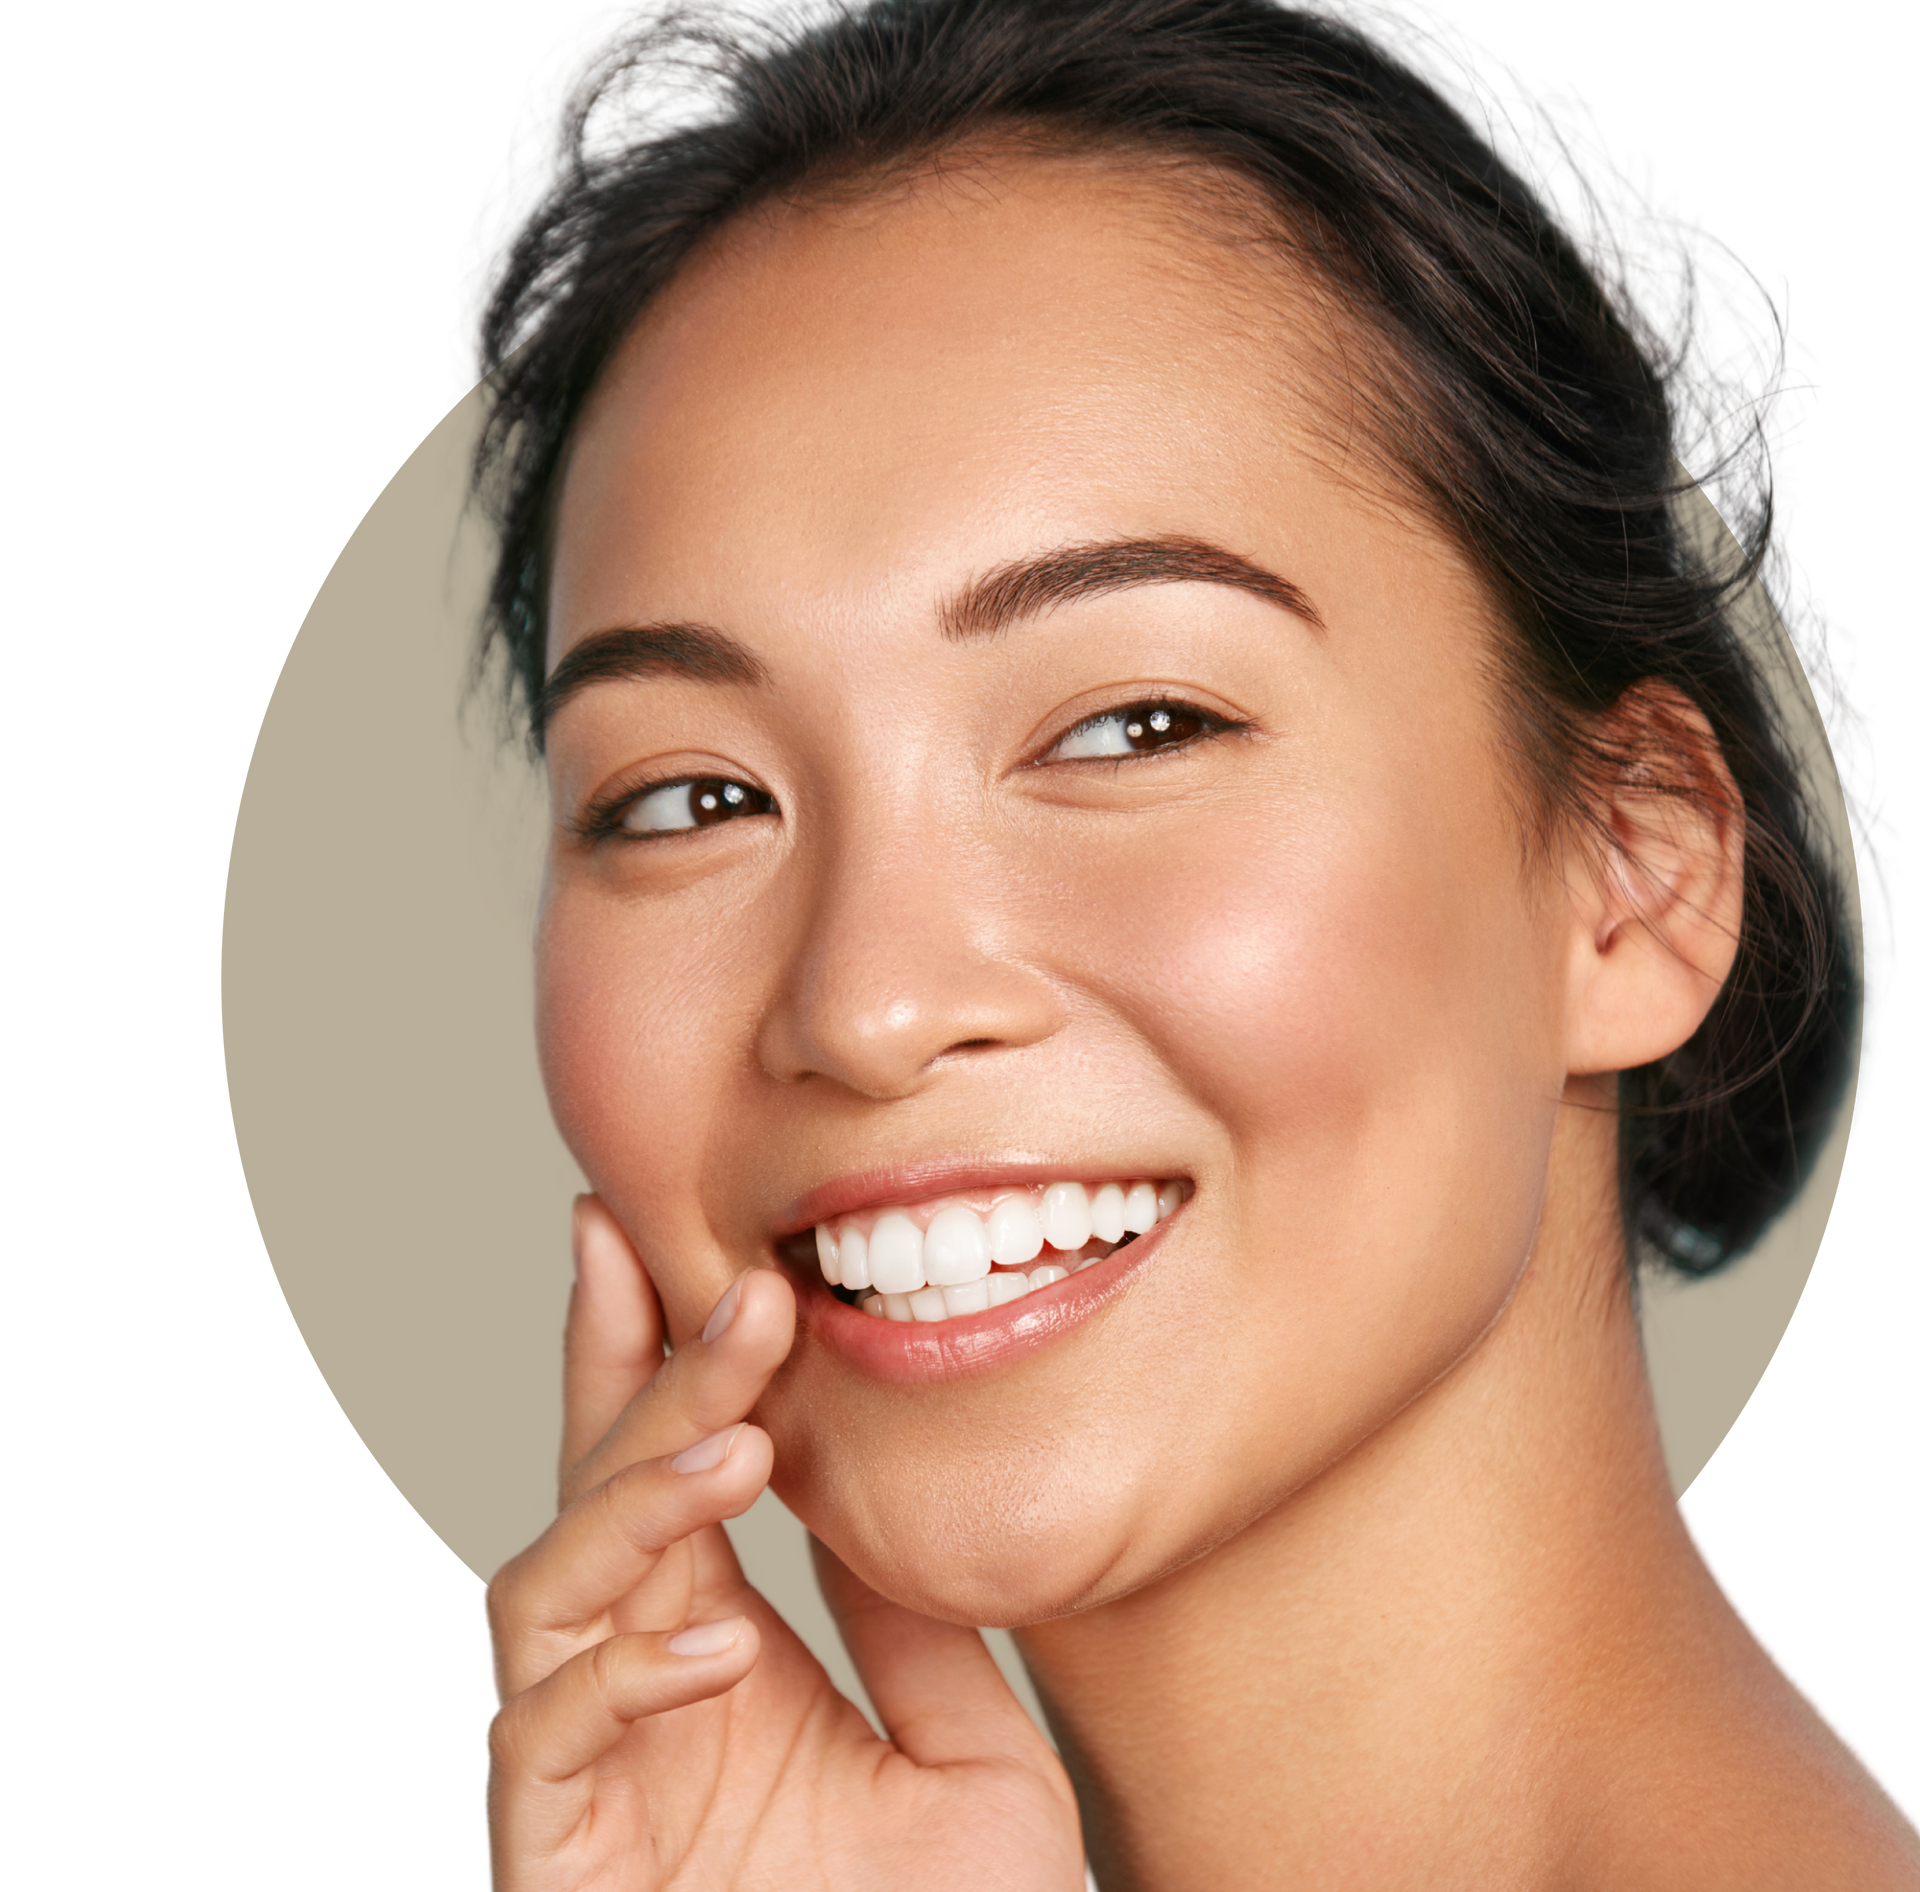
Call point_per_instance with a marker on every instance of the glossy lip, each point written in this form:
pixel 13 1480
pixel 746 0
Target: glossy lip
pixel 907 1183
pixel 915 1352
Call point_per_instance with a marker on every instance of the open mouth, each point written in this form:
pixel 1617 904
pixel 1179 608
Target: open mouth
pixel 963 1254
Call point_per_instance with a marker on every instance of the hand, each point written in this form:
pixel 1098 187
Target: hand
pixel 661 1726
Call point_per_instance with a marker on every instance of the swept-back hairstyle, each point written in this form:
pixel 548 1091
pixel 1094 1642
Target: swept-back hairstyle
pixel 1533 423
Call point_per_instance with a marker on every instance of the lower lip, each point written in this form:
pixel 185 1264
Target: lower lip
pixel 968 1343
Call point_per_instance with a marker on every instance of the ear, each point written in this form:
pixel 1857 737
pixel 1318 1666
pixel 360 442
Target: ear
pixel 1657 895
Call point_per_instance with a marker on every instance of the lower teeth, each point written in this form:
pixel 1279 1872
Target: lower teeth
pixel 995 1290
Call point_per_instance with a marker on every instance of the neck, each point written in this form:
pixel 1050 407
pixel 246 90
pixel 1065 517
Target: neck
pixel 1399 1674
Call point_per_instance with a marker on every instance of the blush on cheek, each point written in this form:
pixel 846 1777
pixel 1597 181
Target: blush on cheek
pixel 627 1054
pixel 644 1034
pixel 580 1051
pixel 1295 967
pixel 1346 998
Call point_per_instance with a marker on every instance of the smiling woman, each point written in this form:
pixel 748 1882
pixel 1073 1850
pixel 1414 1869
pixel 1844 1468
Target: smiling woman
pixel 1165 866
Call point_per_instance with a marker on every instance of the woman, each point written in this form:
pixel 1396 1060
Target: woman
pixel 1166 865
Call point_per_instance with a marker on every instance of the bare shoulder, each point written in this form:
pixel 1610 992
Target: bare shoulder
pixel 1747 1790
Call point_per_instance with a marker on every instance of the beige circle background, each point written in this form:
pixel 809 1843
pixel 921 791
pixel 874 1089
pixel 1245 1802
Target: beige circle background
pixel 409 1183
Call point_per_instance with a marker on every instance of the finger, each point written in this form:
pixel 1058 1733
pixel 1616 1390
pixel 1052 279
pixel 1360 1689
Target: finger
pixel 607 1542
pixel 614 1330
pixel 710 1382
pixel 545 1739
pixel 935 1686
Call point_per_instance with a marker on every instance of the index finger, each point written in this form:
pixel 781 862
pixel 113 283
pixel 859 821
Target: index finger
pixel 615 1331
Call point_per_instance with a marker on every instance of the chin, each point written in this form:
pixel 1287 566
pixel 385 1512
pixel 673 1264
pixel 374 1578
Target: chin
pixel 1011 1533
pixel 1020 1579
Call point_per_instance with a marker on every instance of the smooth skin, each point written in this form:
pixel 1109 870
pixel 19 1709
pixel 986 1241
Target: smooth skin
pixel 1339 1545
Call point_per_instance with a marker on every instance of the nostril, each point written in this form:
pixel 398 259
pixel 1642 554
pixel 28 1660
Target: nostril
pixel 855 1008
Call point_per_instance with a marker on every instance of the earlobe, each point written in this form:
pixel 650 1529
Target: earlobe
pixel 1657 886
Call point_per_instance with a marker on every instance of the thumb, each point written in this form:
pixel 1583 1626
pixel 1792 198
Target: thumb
pixel 935 1686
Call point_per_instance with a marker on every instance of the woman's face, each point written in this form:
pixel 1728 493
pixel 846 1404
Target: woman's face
pixel 1026 862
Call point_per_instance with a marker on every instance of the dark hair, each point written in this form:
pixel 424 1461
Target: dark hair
pixel 1538 430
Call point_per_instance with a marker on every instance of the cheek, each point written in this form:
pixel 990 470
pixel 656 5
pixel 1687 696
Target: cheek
pixel 1327 966
pixel 600 1032
pixel 1358 993
pixel 633 1030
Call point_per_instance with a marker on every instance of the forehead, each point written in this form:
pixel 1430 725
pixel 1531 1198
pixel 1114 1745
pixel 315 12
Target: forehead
pixel 861 392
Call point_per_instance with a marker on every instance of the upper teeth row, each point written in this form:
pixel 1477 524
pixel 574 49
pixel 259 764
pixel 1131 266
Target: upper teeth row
pixel 949 1244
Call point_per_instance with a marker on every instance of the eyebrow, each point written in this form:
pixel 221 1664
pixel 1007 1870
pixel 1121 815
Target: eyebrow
pixel 1021 588
pixel 1025 588
pixel 697 652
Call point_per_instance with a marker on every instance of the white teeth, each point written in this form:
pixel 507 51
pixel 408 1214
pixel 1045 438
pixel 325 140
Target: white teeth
pixel 895 1254
pixel 972 1297
pixel 1064 1216
pixel 1108 1212
pixel 854 1269
pixel 932 1261
pixel 956 1249
pixel 1013 1231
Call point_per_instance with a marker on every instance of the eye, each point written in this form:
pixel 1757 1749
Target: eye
pixel 704 802
pixel 1136 729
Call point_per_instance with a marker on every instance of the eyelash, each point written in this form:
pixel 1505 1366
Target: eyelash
pixel 606 817
pixel 1156 715
pixel 1147 716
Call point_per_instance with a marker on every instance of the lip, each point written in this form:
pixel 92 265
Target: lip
pixel 915 1352
pixel 907 1183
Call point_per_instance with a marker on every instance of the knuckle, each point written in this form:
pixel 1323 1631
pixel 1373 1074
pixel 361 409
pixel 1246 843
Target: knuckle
pixel 610 1664
pixel 714 1407
pixel 499 1602
pixel 628 1508
pixel 602 1664
pixel 506 1740
pixel 506 1595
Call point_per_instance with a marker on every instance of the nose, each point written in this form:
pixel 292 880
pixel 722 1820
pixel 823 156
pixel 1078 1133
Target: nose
pixel 904 959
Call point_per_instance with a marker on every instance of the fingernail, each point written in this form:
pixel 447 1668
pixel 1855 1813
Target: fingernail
pixel 711 1451
pixel 707 1638
pixel 724 1310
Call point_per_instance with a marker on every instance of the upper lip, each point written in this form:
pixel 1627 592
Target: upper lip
pixel 903 1183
